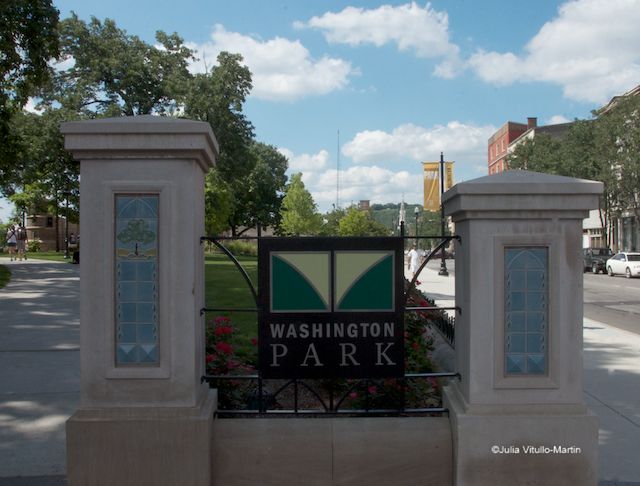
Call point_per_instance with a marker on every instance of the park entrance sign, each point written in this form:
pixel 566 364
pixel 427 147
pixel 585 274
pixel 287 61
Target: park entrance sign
pixel 331 307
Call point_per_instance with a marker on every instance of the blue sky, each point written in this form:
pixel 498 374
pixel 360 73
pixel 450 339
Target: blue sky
pixel 401 81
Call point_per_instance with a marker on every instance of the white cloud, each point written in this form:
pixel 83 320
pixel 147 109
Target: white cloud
pixel 590 49
pixel 377 184
pixel 305 162
pixel 31 106
pixel 410 27
pixel 63 64
pixel 556 119
pixel 461 142
pixel 282 69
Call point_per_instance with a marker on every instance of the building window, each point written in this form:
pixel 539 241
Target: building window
pixel 136 259
pixel 526 310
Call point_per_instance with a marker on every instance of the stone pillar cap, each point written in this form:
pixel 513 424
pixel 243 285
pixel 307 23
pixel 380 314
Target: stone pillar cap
pixel 144 136
pixel 521 190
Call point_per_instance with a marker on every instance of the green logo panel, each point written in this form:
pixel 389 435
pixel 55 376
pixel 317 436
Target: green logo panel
pixel 300 281
pixel 364 281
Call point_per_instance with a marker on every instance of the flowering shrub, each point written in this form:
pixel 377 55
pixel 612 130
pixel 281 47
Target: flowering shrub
pixel 418 346
pixel 221 359
pixel 224 358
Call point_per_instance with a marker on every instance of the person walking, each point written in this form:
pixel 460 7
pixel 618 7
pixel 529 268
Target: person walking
pixel 12 242
pixel 414 260
pixel 21 237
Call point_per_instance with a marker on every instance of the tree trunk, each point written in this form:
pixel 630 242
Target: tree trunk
pixel 57 227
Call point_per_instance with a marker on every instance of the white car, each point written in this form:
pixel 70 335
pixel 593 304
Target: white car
pixel 624 263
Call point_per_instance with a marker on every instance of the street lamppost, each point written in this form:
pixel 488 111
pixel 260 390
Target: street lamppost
pixel 66 225
pixel 401 217
pixel 443 265
pixel 416 213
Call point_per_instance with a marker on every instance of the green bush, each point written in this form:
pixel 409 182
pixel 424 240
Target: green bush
pixel 237 248
pixel 33 246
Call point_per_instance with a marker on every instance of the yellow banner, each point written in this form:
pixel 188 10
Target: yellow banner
pixel 431 172
pixel 431 186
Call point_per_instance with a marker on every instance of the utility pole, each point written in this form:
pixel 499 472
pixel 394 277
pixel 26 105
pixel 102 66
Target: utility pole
pixel 443 264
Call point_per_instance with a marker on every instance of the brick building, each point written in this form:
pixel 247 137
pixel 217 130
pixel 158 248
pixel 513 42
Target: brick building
pixel 558 131
pixel 42 228
pixel 499 143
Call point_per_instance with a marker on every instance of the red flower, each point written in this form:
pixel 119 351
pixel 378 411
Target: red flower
pixel 222 320
pixel 210 357
pixel 415 346
pixel 353 395
pixel 224 348
pixel 222 330
pixel 254 341
pixel 372 389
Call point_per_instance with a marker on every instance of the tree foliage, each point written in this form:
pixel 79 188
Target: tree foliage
pixel 218 97
pixel 538 154
pixel 606 149
pixel 618 134
pixel 246 187
pixel 263 191
pixel 360 223
pixel 331 222
pixel 112 73
pixel 104 71
pixel 28 40
pixel 299 213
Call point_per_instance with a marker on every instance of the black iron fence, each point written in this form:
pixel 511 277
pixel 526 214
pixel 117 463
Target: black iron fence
pixel 414 393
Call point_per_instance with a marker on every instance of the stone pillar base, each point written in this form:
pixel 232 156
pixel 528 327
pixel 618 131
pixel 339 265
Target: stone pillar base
pixel 141 446
pixel 550 446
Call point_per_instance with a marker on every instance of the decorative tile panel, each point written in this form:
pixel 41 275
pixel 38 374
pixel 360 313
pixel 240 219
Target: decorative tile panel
pixel 136 257
pixel 526 310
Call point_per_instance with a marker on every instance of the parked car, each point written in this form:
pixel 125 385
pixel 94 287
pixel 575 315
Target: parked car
pixel 624 263
pixel 595 259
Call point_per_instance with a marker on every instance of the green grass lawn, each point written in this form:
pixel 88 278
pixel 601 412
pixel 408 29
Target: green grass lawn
pixel 56 256
pixel 5 276
pixel 225 287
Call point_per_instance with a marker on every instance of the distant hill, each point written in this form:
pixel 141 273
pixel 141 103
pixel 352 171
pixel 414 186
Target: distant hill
pixel 387 214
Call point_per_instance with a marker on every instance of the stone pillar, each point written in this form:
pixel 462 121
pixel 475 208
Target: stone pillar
pixel 517 413
pixel 144 417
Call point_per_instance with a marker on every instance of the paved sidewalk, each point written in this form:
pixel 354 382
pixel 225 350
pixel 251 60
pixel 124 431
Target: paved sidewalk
pixel 611 387
pixel 39 370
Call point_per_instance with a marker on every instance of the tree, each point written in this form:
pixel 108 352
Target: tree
pixel 606 149
pixel 359 223
pixel 43 175
pixel 249 176
pixel 116 74
pixel 618 140
pixel 538 154
pixel 218 203
pixel 331 222
pixel 218 97
pixel 28 40
pixel 299 214
pixel 260 202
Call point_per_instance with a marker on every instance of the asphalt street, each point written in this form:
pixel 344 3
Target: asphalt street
pixel 614 300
